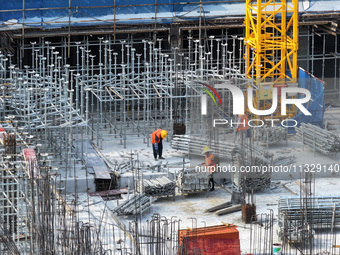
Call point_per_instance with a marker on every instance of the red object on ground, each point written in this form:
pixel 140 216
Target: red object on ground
pixel 214 240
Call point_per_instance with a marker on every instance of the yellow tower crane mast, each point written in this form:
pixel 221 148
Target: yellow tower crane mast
pixel 271 42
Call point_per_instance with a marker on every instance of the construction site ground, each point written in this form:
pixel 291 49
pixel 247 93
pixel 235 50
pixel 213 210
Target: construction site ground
pixel 190 208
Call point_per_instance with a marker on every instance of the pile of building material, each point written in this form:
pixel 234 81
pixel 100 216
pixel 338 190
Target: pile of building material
pixel 136 204
pixel 318 139
pixel 300 217
pixel 254 174
pixel 157 187
pixel 195 145
pixel 321 212
pixel 271 134
pixel 190 181
pixel 255 181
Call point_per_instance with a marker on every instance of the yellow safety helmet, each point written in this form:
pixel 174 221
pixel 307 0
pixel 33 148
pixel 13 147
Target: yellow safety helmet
pixel 164 134
pixel 206 149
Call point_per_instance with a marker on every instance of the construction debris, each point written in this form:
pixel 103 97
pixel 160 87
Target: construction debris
pixel 157 187
pixel 318 139
pixel 136 204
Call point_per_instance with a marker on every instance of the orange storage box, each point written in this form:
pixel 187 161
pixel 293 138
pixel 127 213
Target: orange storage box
pixel 214 240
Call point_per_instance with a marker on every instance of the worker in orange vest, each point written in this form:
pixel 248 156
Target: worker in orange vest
pixel 157 145
pixel 209 163
pixel 241 127
pixel 242 122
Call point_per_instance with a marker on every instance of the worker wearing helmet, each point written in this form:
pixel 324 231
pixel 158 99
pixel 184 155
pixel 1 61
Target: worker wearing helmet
pixel 209 163
pixel 156 140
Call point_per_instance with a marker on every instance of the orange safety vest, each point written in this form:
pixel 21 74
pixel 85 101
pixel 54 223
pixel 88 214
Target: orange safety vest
pixel 242 122
pixel 156 136
pixel 210 163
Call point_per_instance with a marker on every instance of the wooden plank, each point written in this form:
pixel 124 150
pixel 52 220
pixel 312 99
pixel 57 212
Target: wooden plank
pixel 94 160
pixel 218 207
pixel 232 209
pixel 101 173
pixel 109 192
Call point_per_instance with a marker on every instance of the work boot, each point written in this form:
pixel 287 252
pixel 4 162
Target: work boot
pixel 212 189
pixel 161 158
pixel 156 159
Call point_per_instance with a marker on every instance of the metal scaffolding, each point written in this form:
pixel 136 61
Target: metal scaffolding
pixel 108 89
pixel 51 111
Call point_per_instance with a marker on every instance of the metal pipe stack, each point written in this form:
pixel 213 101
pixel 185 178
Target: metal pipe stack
pixel 195 145
pixel 136 204
pixel 192 181
pixel 271 134
pixel 157 187
pixel 320 211
pixel 318 139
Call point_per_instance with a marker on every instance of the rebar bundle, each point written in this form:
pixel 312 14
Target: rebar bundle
pixel 318 139
pixel 261 238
